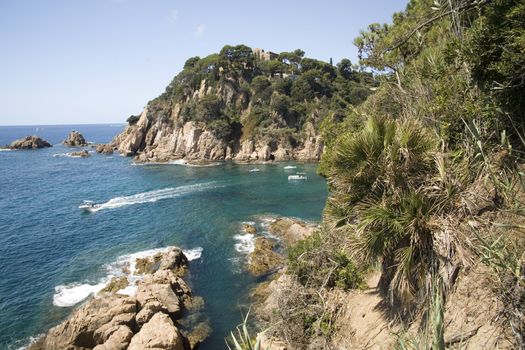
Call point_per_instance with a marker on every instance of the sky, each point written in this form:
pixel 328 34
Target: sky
pixel 100 61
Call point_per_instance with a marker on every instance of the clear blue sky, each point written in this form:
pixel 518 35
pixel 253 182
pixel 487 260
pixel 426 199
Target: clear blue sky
pixel 99 61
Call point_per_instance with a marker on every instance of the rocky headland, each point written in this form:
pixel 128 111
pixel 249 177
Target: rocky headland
pixel 29 142
pixel 242 106
pixel 157 315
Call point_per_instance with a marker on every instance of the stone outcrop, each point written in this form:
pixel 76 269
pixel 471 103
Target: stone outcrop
pixel 162 134
pixel 29 142
pixel 264 259
pixel 146 320
pixel 80 154
pixel 75 139
pixel 291 230
pixel 104 149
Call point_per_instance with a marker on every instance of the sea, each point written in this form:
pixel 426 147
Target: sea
pixel 54 256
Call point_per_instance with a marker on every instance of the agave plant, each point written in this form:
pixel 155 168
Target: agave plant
pixel 243 340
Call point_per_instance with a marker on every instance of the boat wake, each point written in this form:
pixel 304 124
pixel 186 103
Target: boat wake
pixel 153 196
pixel 124 266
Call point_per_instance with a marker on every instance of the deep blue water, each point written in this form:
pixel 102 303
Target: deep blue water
pixel 46 241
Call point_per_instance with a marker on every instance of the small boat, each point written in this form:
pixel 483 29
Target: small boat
pixel 288 167
pixel 88 205
pixel 297 177
pixel 254 170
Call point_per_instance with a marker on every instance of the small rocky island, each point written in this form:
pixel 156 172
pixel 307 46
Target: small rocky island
pixel 29 142
pixel 80 154
pixel 75 139
pixel 153 317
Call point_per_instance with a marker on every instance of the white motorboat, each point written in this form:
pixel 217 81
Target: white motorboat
pixel 289 167
pixel 297 177
pixel 254 170
pixel 88 205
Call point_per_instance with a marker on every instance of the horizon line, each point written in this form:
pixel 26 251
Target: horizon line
pixel 58 124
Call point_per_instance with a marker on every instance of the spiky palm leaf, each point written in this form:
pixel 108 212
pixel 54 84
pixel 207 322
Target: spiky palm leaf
pixel 379 174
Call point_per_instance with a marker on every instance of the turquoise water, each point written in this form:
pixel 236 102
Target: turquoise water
pixel 47 242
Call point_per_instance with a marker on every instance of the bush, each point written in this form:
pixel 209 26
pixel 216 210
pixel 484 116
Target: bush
pixel 133 119
pixel 319 261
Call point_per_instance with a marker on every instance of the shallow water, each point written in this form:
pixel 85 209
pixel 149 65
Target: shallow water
pixel 52 254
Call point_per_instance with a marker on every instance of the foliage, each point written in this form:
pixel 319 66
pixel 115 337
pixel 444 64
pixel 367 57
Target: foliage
pixel 243 340
pixel 317 264
pixel 133 119
pixel 283 93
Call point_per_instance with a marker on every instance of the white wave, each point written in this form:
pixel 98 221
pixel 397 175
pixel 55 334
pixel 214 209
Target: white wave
pixel 153 196
pixel 29 341
pixel 245 243
pixel 178 162
pixel 72 294
pixel 123 266
pixel 237 264
pixel 193 254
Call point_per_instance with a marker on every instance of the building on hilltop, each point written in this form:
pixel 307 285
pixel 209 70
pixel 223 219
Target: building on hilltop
pixel 262 55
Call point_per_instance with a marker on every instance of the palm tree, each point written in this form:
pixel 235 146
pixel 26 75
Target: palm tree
pixel 377 178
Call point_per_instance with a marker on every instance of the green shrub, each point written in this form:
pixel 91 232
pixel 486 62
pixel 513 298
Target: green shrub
pixel 133 119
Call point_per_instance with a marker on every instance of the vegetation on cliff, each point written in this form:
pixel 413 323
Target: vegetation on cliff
pixel 246 104
pixel 282 92
pixel 425 176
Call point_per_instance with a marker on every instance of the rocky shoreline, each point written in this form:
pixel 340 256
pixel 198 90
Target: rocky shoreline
pixel 155 316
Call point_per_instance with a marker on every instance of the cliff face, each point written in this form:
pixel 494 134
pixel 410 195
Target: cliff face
pixel 161 134
pixel 237 105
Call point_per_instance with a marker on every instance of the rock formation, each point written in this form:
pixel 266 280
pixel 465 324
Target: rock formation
pixel 154 139
pixel 80 154
pixel 29 142
pixel 264 259
pixel 104 149
pixel 147 320
pixel 75 139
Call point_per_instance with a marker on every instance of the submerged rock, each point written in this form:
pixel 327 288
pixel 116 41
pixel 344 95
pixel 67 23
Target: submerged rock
pixel 145 320
pixel 75 139
pixel 29 142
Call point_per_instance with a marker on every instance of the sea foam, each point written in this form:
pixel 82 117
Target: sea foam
pixel 125 265
pixel 153 196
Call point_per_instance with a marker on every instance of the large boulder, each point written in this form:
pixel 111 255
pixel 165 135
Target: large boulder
pixel 75 139
pixel 159 333
pixel 29 142
pixel 78 331
pixel 118 339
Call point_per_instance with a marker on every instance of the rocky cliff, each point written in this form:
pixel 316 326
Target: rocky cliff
pixel 161 135
pixel 150 318
pixel 231 106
